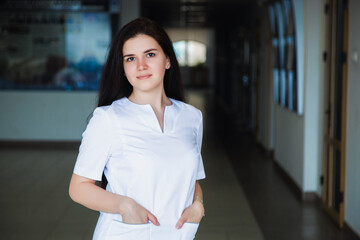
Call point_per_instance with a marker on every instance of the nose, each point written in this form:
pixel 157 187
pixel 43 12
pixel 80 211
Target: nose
pixel 142 65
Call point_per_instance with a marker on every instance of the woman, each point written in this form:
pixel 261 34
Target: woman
pixel 145 140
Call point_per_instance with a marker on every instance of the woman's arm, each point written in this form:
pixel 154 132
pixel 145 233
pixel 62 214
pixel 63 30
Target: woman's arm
pixel 196 211
pixel 198 194
pixel 85 192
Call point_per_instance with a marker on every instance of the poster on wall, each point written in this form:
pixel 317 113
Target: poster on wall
pixel 64 51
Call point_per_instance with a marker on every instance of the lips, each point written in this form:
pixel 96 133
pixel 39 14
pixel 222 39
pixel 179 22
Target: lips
pixel 143 77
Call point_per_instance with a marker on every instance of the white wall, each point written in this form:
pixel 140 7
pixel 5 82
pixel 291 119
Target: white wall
pixel 289 143
pixel 314 32
pixel 298 138
pixel 352 189
pixel 44 115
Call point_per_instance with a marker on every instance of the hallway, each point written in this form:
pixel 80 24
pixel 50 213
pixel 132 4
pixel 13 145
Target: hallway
pixel 284 80
pixel 253 204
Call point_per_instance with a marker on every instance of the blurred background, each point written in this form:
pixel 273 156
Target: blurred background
pixel 277 81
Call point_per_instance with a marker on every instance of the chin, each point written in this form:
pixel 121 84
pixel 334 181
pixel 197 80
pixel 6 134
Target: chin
pixel 146 87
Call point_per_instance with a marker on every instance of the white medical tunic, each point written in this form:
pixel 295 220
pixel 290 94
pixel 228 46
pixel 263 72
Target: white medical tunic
pixel 156 167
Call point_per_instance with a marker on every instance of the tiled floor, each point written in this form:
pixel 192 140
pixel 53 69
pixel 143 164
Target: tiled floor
pixel 228 215
pixel 34 199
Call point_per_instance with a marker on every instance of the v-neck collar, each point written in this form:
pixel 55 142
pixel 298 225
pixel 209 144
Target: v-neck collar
pixel 154 118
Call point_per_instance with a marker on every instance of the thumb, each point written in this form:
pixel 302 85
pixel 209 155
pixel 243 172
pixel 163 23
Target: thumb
pixel 153 219
pixel 181 222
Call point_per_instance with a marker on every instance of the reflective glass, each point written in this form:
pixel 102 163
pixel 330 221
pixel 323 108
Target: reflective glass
pixel 53 50
pixel 290 97
pixel 276 84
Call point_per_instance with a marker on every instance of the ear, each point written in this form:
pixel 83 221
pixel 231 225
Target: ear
pixel 168 64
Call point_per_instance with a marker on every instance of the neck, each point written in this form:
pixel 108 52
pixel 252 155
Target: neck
pixel 157 100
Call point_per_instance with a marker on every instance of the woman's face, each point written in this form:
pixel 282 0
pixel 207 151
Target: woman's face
pixel 144 63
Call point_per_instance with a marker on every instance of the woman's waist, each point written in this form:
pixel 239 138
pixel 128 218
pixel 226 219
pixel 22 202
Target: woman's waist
pixel 163 231
pixel 161 205
pixel 167 220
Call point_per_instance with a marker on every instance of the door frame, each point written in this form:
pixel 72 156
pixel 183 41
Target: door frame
pixel 330 142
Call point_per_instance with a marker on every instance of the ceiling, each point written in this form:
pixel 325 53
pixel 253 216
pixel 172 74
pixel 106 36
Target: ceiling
pixel 197 13
pixel 169 13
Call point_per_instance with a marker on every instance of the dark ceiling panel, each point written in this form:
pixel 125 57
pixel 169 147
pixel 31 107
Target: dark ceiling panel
pixel 196 13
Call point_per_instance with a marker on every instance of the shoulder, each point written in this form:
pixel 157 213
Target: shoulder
pixel 101 113
pixel 103 110
pixel 188 110
pixel 109 110
pixel 99 118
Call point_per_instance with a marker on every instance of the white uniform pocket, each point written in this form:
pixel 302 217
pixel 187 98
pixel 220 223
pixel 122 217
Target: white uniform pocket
pixel 169 232
pixel 124 231
pixel 189 231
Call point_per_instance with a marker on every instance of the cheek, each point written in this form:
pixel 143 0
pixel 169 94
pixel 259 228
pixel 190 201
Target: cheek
pixel 128 74
pixel 161 67
pixel 127 69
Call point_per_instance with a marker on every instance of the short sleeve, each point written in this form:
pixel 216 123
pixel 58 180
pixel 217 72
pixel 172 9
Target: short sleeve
pixel 95 146
pixel 201 171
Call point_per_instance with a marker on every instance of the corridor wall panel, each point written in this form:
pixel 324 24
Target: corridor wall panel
pixel 289 142
pixel 44 116
pixel 266 106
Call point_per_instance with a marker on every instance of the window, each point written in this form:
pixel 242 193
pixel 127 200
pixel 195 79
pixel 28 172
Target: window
pixel 190 53
pixel 282 22
pixel 290 56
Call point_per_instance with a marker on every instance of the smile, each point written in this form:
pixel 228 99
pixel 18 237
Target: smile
pixel 142 77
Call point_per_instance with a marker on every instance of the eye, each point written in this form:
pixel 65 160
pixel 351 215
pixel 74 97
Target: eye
pixel 150 54
pixel 130 59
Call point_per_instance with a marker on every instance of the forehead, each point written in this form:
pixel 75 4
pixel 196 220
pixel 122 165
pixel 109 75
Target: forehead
pixel 140 43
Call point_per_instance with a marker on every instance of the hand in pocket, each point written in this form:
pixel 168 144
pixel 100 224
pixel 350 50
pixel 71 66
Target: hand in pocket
pixel 136 214
pixel 192 214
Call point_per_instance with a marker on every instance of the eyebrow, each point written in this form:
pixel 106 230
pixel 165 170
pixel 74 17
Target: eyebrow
pixel 146 51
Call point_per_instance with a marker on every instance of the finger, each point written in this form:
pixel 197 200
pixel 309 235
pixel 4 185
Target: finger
pixel 153 219
pixel 181 222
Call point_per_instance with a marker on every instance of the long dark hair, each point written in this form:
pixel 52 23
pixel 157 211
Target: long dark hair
pixel 113 83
